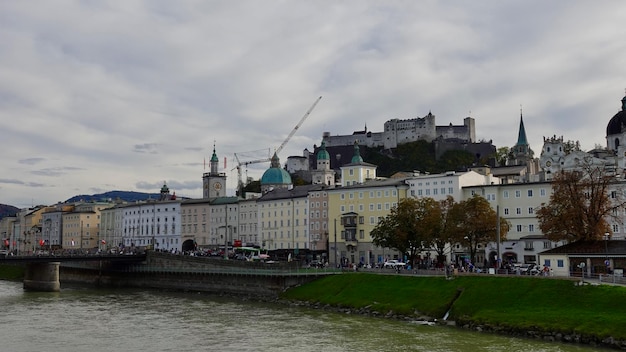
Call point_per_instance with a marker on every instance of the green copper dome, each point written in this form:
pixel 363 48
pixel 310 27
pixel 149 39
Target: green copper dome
pixel 322 154
pixel 275 175
pixel 356 159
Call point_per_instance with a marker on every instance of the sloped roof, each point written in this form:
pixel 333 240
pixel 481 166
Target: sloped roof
pixel 591 248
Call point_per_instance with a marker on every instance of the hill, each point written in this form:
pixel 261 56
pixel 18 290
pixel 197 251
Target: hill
pixel 128 196
pixel 7 210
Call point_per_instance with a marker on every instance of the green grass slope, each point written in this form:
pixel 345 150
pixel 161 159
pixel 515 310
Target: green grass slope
pixel 508 302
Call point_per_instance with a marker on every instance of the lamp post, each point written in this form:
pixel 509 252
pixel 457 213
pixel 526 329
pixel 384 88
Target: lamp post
pixel 498 237
pixel 606 252
pixel 335 242
pixel 226 229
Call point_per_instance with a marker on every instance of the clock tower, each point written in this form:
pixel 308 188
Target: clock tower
pixel 213 182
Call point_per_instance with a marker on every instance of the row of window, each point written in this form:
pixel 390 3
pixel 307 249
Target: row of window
pixel 435 192
pixel 372 194
pixel 372 207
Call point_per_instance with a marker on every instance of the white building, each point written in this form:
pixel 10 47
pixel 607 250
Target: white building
pixel 440 186
pixel 154 224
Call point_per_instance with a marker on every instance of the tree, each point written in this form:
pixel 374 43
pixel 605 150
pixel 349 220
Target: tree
pixel 502 155
pixel 474 223
pixel 408 227
pixel 582 204
pixel 442 235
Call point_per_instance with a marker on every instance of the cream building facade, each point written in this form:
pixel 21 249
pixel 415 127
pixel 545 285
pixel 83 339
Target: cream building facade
pixel 283 216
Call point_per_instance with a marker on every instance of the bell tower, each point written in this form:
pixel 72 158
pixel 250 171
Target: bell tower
pixel 213 182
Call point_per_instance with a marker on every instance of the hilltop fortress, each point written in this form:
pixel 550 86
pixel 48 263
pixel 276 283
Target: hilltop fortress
pixel 398 132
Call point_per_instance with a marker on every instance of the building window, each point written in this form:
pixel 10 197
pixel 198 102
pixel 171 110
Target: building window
pixel 531 228
pixel 528 245
pixel 531 210
pixel 559 263
pixel 506 211
pixel 518 211
pixel 519 228
pixel 518 194
pixel 542 192
pixel 530 193
pixel 505 194
pixel 547 245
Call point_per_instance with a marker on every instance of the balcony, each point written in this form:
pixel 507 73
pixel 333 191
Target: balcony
pixel 351 242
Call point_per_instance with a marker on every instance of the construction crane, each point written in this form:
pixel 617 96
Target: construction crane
pixel 269 158
pixel 240 164
pixel 298 125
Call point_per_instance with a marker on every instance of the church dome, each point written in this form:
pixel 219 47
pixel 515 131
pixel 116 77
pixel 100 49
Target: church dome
pixel 617 125
pixel 275 175
pixel 322 154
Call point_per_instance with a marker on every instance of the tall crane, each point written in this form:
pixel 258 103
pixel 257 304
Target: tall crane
pixel 298 125
pixel 269 158
pixel 240 164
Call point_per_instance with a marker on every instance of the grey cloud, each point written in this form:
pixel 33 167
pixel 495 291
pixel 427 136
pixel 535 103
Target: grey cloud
pixel 55 171
pixel 31 161
pixel 149 148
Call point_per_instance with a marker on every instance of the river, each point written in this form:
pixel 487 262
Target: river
pixel 85 319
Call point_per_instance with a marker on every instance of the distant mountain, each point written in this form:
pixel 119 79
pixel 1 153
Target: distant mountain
pixel 127 196
pixel 7 210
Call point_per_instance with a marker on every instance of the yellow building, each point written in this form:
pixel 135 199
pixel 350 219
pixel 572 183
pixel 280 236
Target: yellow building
pixel 353 212
pixel 355 208
pixel 283 218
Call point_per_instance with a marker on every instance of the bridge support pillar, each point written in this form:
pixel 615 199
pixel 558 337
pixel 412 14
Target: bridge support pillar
pixel 43 277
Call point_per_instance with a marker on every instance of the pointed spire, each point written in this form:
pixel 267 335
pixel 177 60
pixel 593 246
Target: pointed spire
pixel 521 136
pixel 214 156
pixel 275 161
pixel 214 161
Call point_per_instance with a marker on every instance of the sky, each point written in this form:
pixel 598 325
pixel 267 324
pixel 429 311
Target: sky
pixel 100 95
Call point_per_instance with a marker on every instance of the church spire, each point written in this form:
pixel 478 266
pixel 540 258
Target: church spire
pixel 521 136
pixel 214 161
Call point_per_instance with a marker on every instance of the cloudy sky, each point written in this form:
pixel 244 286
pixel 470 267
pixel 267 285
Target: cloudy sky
pixel 125 95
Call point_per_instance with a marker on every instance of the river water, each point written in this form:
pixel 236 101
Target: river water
pixel 84 319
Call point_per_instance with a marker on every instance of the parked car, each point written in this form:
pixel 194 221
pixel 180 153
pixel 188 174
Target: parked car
pixel 394 264
pixel 529 269
pixel 316 264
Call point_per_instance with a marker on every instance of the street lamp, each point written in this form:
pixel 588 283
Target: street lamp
pixel 226 229
pixel 606 252
pixel 335 242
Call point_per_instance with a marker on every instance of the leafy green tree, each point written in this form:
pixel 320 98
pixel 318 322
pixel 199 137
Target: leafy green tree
pixel 409 226
pixel 502 154
pixel 582 204
pixel 453 160
pixel 474 222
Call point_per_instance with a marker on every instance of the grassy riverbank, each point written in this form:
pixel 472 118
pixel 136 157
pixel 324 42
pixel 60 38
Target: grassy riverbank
pixel 510 302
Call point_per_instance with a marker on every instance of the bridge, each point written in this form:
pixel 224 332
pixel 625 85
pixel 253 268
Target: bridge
pixel 165 271
pixel 10 259
pixel 42 271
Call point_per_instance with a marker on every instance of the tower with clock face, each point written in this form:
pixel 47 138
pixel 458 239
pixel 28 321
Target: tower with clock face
pixel 214 182
pixel 552 155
